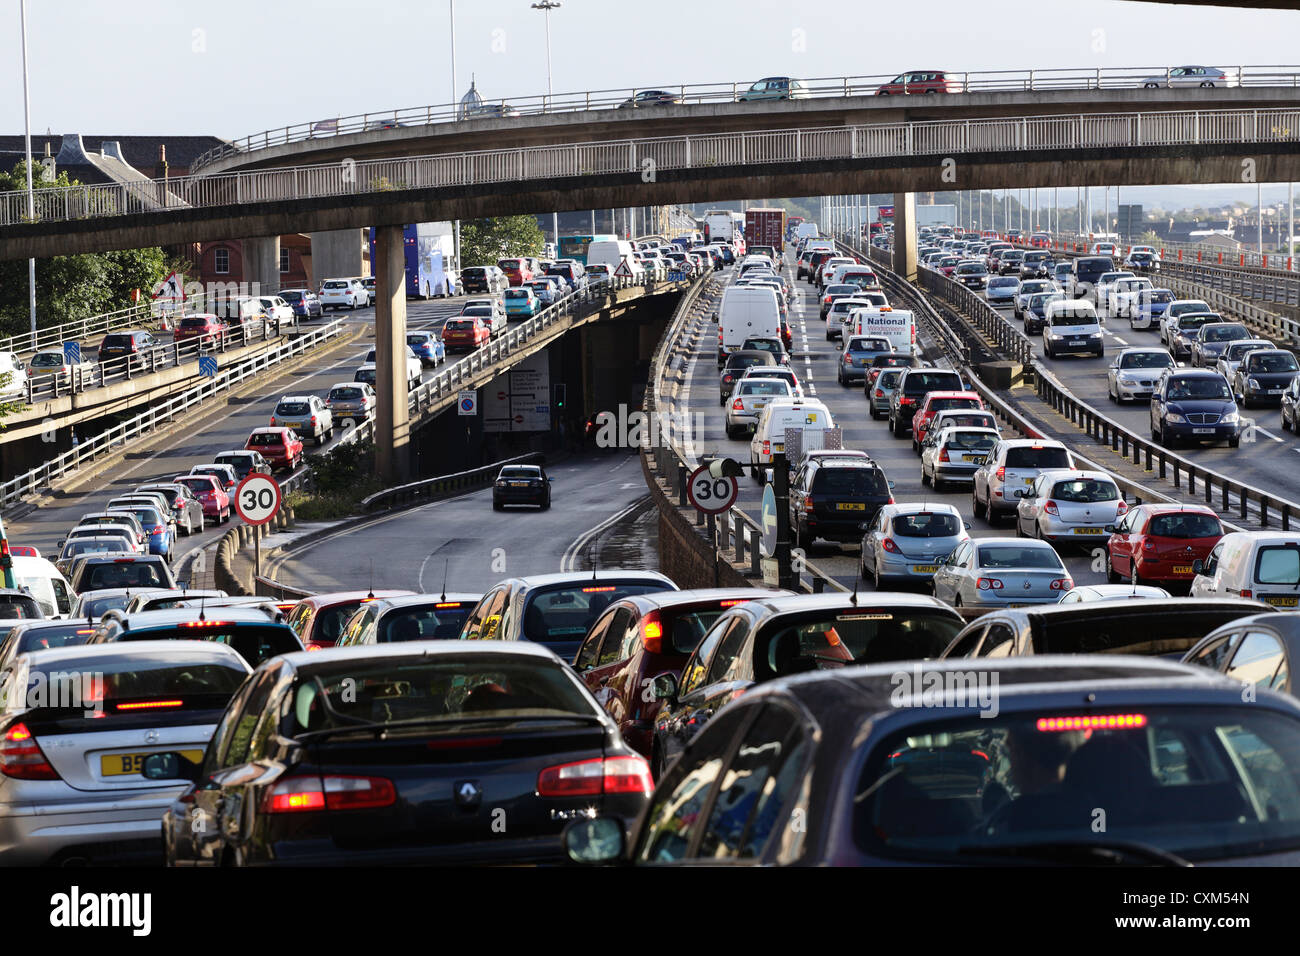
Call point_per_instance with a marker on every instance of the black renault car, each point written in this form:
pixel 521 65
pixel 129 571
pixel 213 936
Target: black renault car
pixel 521 485
pixel 425 752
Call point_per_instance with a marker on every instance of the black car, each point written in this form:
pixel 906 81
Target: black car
pixel 97 572
pixel 246 630
pixel 1010 261
pixel 973 275
pixel 1155 627
pixel 857 767
pixel 773 637
pixel 117 345
pixel 1142 262
pixel 404 753
pixel 912 389
pixel 1291 406
pixel 1084 273
pixel 831 498
pixel 1264 377
pixel 1035 314
pixel 735 366
pixel 521 485
pixel 1036 264
pixel 1252 651
pixel 649 98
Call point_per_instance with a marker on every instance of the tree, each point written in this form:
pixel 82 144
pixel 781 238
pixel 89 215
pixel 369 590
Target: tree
pixel 1149 238
pixel 484 241
pixel 72 287
pixel 8 408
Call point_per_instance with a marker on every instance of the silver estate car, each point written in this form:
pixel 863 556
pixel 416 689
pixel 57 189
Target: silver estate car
pixel 952 455
pixel 1001 572
pixel 72 789
pixel 905 543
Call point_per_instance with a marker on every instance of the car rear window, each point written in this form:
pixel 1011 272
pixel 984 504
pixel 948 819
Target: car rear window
pixel 475 271
pixel 1014 556
pixel 1185 525
pixel 292 408
pixel 346 394
pixel 116 341
pixel 123 574
pixel 927 524
pixel 566 612
pixel 253 642
pixel 459 325
pixel 1043 456
pixel 198 483
pixel 508 264
pixel 830 639
pixel 16 607
pixel 980 441
pixel 262 439
pixel 335 285
pixel 194 323
pixel 440 621
pixel 917 383
pixel 291 296
pixel 517 293
pixel 939 404
pixel 1085 490
pixel 849 482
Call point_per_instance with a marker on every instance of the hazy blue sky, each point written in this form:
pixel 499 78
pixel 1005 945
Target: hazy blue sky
pixel 241 66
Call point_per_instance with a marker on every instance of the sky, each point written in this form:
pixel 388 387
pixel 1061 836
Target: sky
pixel 241 66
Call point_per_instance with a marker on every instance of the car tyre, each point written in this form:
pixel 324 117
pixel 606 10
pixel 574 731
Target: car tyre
pixel 1234 442
pixel 1111 576
pixel 497 506
pixel 990 513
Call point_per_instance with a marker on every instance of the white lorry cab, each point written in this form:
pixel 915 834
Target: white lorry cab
pixel 746 312
pixel 896 325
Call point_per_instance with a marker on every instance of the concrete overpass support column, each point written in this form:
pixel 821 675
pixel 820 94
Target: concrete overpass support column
pixel 335 255
pixel 905 235
pixel 262 264
pixel 392 426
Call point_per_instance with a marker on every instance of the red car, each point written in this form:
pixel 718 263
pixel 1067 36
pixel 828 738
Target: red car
pixel 464 333
pixel 280 446
pixel 211 494
pixel 920 81
pixel 201 327
pixel 516 270
pixel 1161 542
pixel 637 639
pixel 319 620
pixel 937 402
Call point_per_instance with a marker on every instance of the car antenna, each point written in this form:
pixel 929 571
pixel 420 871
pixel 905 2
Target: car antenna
pixel 203 600
pixel 446 564
pixel 371 593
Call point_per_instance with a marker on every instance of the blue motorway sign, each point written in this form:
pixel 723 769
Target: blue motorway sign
pixel 208 366
pixel 72 352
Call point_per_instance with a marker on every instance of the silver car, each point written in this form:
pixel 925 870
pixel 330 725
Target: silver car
pixel 1002 572
pixel 352 402
pixel 1070 505
pixel 881 394
pixel 1207 76
pixel 72 789
pixel 747 401
pixel 1012 464
pixel 905 543
pixel 1230 359
pixel 1169 321
pixel 1132 376
pixel 187 509
pixel 952 455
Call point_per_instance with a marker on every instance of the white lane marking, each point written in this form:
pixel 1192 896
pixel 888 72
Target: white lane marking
pixel 1268 434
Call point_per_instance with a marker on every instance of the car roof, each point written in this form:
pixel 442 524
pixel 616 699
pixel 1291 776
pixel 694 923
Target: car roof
pixel 580 577
pixel 296 398
pixel 184 650
pixel 328 655
pixel 233 614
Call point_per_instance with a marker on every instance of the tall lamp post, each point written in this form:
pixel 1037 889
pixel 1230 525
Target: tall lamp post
pixel 451 5
pixel 546 6
pixel 31 200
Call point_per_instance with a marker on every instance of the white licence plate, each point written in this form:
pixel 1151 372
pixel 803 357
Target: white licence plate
pixel 1276 391
pixel 1078 342
pixel 1202 431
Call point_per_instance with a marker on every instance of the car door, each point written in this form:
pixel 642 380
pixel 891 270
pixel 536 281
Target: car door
pixel 607 661
pixel 1122 541
pixel 947 580
pixel 677 718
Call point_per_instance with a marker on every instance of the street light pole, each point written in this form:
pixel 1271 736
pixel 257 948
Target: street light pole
pixel 546 6
pixel 451 6
pixel 31 199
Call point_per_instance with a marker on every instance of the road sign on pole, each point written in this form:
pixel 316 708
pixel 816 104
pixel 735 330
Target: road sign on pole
pixel 768 521
pixel 467 403
pixel 208 366
pixel 72 353
pixel 257 499
pixel 711 495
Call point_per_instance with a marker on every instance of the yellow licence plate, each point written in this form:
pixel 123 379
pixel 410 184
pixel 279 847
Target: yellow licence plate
pixel 978 458
pixel 1087 531
pixel 778 447
pixel 850 506
pixel 1182 569
pixel 924 568
pixel 1278 600
pixel 116 765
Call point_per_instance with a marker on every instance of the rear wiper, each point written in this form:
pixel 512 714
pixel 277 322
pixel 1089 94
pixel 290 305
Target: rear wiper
pixel 1114 852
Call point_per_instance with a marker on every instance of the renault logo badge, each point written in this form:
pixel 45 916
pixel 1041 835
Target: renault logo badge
pixel 468 793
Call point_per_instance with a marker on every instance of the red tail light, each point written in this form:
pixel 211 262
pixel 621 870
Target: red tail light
pixel 1051 508
pixel 1122 508
pixel 333 792
pixel 312 646
pixel 888 545
pixel 904 400
pixel 737 406
pixel 943 454
pixel 767 448
pixel 1092 722
pixel 592 778
pixel 652 633
pixel 1002 474
pixel 21 756
pixel 880 393
pixel 1247 593
pixel 989 584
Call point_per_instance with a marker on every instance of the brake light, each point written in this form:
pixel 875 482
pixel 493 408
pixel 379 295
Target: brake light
pixel 203 624
pixel 767 448
pixel 1247 593
pixel 150 705
pixel 652 633
pixel 904 400
pixel 311 646
pixel 943 454
pixel 334 792
pixel 1051 508
pixel 592 778
pixel 1122 508
pixel 21 756
pixel 1002 474
pixel 732 603
pixel 1090 722
pixel 880 393
pixel 737 406
pixel 888 545
pixel 1062 584
pixel 608 587
pixel 989 584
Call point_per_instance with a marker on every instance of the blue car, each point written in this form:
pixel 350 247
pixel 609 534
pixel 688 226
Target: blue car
pixel 521 301
pixel 544 291
pixel 304 303
pixel 427 347
pixel 1194 404
pixel 1002 289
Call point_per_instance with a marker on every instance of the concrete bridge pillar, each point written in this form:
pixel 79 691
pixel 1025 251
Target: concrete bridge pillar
pixel 392 424
pixel 905 235
pixel 262 265
pixel 335 255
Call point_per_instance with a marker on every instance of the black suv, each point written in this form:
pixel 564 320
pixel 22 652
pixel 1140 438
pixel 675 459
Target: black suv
pixel 122 344
pixel 911 392
pixel 831 498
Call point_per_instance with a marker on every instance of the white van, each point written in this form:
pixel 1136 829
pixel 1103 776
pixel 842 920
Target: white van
pixel 1264 565
pixel 746 312
pixel 776 417
pixel 806 230
pixel 896 325
pixel 1072 325
pixel 615 253
pixel 42 580
pixel 13 365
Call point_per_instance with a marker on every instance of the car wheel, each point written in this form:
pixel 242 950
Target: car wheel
pixel 1234 442
pixel 1111 576
pixel 1020 533
pixel 497 506
pixel 320 439
pixel 956 600
pixel 1286 425
pixel 871 410
pixel 925 479
pixel 1207 86
pixel 1151 86
pixel 936 482
pixel 990 514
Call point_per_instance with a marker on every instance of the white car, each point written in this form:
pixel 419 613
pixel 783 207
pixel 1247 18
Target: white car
pixel 308 415
pixel 414 367
pixel 1132 376
pixel 54 362
pixel 343 294
pixel 1069 505
pixel 16 371
pixel 1125 297
pixel 1230 358
pixel 1013 463
pixel 278 312
pixel 1106 283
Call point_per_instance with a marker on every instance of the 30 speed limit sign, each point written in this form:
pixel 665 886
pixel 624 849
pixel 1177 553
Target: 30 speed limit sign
pixel 711 495
pixel 257 499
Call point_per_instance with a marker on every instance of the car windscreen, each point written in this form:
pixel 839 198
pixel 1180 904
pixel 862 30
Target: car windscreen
pixel 1085 490
pixel 849 483
pixel 829 639
pixel 123 574
pixel 1037 456
pixel 926 524
pixel 1272 362
pixel 1146 360
pixel 1205 388
pixel 565 612
pixel 1185 525
pixel 448 688
pixel 1199 782
pixel 437 621
pixel 1017 557
pixel 253 642
pixel 293 408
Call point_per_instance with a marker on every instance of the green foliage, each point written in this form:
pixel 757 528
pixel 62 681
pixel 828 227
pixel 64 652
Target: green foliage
pixel 1148 238
pixel 484 241
pixel 69 288
pixel 343 476
pixel 8 407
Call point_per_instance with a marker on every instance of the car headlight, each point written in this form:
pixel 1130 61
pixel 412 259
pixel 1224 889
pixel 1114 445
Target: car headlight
pixel 1252 383
pixel 1173 418
pixel 1231 418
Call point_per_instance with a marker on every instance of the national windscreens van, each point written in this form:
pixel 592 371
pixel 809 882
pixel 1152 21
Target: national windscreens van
pixel 896 325
pixel 746 312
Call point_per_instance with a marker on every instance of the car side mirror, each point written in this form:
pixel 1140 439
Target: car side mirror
pixel 1110 529
pixel 170 766
pixel 599 840
pixel 1198 566
pixel 665 687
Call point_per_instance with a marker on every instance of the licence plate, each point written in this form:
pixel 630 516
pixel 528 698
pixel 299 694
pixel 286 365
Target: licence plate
pixel 1078 342
pixel 1202 431
pixel 1276 391
pixel 850 506
pixel 1278 600
pixel 518 484
pixel 975 458
pixel 1182 569
pixel 293 424
pixel 117 765
pixel 778 447
pixel 1087 531
pixel 924 568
